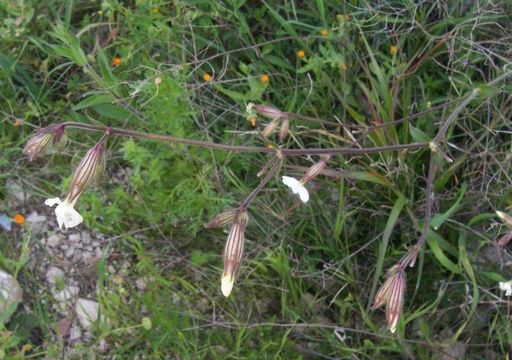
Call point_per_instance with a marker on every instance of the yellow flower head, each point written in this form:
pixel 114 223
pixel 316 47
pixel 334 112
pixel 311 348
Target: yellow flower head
pixel 301 54
pixel 116 61
pixel 207 77
pixel 264 79
pixel 324 33
pixel 393 49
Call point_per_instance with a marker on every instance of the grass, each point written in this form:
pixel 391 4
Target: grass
pixel 309 274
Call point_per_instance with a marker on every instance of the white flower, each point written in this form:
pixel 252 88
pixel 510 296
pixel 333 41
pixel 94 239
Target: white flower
pixel 66 214
pixel 226 284
pixel 507 287
pixel 297 187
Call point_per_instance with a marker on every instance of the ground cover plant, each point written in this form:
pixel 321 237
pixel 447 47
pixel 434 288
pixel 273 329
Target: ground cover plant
pixel 395 115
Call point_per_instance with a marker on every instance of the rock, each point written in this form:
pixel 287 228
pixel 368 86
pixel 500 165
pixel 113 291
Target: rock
pixel 69 252
pixel 54 274
pixel 53 240
pixel 10 296
pixel 87 312
pixel 74 237
pixel 140 284
pixel 15 190
pixel 66 294
pixel 34 217
pixel 86 237
pixel 75 333
pixel 89 259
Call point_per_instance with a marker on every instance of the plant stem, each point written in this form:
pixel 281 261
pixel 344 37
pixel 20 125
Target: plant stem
pixel 239 148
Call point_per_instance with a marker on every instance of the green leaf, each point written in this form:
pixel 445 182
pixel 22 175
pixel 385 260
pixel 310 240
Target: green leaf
pixel 438 219
pixel 93 100
pixel 440 256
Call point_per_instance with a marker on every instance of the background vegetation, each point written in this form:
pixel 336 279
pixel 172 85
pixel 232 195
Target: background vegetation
pixel 305 287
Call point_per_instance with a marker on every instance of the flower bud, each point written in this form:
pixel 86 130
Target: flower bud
pixel 225 218
pixel 233 252
pixel 40 141
pixel 268 111
pixel 285 128
pixel 270 128
pixel 396 301
pixel 89 170
pixel 314 170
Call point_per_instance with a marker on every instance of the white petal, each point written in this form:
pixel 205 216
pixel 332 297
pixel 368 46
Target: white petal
pixel 67 216
pixel 297 188
pixel 226 284
pixel 51 202
pixel 507 287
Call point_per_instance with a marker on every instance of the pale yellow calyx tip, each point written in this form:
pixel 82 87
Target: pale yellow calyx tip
pixel 392 329
pixel 501 214
pixel 227 284
pixel 249 107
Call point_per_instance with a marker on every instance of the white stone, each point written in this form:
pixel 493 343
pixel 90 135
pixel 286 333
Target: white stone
pixel 74 237
pixel 53 240
pixel 86 237
pixel 87 312
pixel 34 217
pixel 69 252
pixel 67 293
pixel 54 275
pixel 75 333
pixel 10 296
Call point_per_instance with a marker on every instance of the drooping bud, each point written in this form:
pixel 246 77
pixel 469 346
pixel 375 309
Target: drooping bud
pixel 395 302
pixel 225 218
pixel 233 252
pixel 314 170
pixel 391 294
pixel 285 128
pixel 268 111
pixel 40 141
pixel 270 128
pixel 89 170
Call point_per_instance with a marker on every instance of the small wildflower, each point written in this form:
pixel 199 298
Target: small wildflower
pixel 393 49
pixel 507 287
pixel 158 80
pixel 89 170
pixel 324 33
pixel 233 252
pixel 342 67
pixel 270 146
pixel 116 61
pixel 39 142
pixel 19 219
pixel 343 17
pixel 264 79
pixel 297 187
pixel 17 122
pixel 207 77
pixel 301 54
